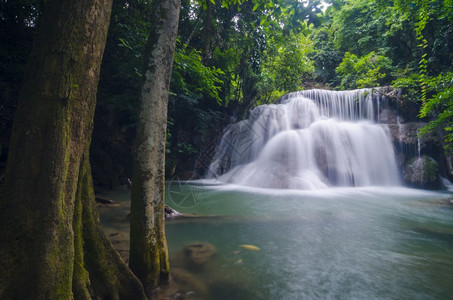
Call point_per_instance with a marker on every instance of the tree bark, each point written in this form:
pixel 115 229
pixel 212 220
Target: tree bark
pixel 99 272
pixel 44 249
pixel 148 251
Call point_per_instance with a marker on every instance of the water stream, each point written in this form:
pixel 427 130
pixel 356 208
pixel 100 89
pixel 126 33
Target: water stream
pixel 338 243
pixel 311 140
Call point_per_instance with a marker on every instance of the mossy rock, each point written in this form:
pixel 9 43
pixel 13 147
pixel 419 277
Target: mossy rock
pixel 422 172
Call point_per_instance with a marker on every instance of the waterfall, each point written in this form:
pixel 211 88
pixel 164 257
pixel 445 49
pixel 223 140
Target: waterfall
pixel 309 140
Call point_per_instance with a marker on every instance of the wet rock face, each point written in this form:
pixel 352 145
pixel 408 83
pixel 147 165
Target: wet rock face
pixel 388 116
pixel 408 149
pixel 406 133
pixel 422 172
pixel 198 255
pixel 170 213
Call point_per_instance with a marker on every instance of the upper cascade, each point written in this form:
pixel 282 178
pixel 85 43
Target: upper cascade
pixel 344 105
pixel 311 140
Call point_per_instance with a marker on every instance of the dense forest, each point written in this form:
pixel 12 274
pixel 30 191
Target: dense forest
pixel 234 55
pixel 103 92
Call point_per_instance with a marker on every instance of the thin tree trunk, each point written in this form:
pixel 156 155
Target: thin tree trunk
pixel 148 251
pixel 207 32
pixel 41 224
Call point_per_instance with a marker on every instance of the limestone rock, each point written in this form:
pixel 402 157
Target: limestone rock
pixel 422 172
pixel 170 212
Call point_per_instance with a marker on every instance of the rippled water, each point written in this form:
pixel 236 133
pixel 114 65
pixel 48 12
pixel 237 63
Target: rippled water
pixel 340 243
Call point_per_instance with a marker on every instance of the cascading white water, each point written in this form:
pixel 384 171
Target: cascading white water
pixel 311 140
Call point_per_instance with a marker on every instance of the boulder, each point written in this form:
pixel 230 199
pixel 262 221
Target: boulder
pixel 422 172
pixel 171 213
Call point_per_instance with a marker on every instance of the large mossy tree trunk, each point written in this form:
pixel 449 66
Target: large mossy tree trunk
pixel 51 244
pixel 99 272
pixel 148 251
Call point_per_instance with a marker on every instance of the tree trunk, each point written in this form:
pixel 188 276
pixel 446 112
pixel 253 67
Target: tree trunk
pixel 148 251
pixel 207 32
pixel 99 272
pixel 41 234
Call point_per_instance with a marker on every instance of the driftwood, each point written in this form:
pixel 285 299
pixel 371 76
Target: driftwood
pixel 103 200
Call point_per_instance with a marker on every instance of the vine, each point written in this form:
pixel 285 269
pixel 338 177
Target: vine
pixel 423 19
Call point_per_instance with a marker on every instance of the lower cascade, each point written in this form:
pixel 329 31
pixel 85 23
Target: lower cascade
pixel 311 140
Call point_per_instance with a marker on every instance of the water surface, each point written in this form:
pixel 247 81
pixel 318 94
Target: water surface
pixel 338 243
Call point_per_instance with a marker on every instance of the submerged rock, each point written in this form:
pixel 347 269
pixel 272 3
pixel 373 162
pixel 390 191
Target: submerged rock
pixel 198 255
pixel 422 172
pixel 182 286
pixel 237 283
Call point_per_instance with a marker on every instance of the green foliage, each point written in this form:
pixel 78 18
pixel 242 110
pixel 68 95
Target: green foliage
pixel 194 88
pixel 292 16
pixel 192 79
pixel 228 60
pixel 408 82
pixel 292 63
pixel 367 71
pixel 121 72
pixel 285 70
pixel 358 28
pixel 235 54
pixel 325 56
pixel 435 45
pixel 440 106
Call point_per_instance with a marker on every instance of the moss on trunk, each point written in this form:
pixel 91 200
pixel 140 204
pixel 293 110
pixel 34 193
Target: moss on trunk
pixel 104 275
pixel 47 233
pixel 148 254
